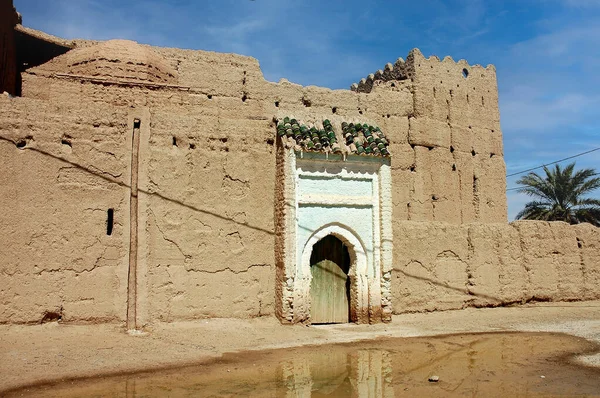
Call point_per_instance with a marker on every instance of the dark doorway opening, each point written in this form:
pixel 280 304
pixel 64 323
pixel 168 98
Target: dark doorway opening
pixel 330 285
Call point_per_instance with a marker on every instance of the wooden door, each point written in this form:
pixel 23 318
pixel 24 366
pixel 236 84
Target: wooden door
pixel 329 289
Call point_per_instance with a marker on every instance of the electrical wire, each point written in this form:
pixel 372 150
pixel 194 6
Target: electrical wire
pixel 558 161
pixel 514 189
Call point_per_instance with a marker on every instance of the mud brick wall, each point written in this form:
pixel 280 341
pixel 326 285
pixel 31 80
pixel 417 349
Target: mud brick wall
pixel 205 187
pixel 439 266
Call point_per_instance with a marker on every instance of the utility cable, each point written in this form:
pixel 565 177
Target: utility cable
pixel 514 189
pixel 558 161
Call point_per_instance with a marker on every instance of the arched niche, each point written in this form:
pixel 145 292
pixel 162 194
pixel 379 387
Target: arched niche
pixel 358 270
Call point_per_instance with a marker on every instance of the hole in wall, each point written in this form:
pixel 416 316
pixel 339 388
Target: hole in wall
pixel 334 109
pixel 277 104
pixel 192 146
pixel 388 115
pixel 209 96
pixel 453 167
pixel 430 148
pixel 270 141
pixel 473 152
pixel 579 243
pixel 244 98
pixel 492 155
pixel 66 140
pixel 393 84
pixel 110 217
pixel 51 316
pixel 137 123
pixel 412 146
pixel 306 102
pixel 451 149
pixel 223 140
pixel 434 197
pixel 413 169
pixel 174 141
pixel 21 144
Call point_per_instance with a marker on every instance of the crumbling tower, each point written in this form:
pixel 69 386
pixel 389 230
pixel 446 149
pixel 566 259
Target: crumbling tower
pixel 454 140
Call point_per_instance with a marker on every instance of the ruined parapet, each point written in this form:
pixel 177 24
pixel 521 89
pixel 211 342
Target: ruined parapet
pixel 455 91
pixel 397 71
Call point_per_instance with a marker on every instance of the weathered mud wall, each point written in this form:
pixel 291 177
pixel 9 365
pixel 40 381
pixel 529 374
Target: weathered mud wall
pixel 8 55
pixel 63 167
pixel 438 266
pixel 449 163
pixel 205 185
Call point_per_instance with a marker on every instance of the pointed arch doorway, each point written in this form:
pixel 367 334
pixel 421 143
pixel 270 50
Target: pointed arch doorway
pixel 330 281
pixel 349 198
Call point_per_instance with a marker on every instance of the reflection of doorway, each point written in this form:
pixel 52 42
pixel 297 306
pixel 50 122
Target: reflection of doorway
pixel 330 285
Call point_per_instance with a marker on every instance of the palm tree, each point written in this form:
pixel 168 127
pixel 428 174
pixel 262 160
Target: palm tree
pixel 560 196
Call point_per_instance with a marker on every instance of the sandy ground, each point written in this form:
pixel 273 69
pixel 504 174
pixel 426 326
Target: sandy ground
pixel 51 352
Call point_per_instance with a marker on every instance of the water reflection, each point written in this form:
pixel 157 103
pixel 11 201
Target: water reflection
pixel 490 365
pixel 362 374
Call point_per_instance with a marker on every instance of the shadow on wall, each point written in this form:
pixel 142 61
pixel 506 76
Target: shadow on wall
pixel 446 286
pixel 122 184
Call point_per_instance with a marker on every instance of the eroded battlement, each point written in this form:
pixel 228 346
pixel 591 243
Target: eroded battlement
pixel 396 71
pixel 413 65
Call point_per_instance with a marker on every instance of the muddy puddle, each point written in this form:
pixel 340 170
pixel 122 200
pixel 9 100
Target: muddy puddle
pixel 482 365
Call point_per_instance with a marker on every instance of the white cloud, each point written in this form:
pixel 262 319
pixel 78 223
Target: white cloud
pixel 549 96
pixel 523 109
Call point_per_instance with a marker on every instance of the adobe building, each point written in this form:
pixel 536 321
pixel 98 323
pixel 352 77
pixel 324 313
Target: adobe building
pixel 144 184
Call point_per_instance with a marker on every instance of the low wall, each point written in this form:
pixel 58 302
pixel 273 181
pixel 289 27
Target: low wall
pixel 440 266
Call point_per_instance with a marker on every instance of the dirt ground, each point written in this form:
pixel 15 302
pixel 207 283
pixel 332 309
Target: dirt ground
pixel 51 352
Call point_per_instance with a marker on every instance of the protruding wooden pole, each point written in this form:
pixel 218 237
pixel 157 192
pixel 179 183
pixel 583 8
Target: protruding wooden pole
pixel 133 229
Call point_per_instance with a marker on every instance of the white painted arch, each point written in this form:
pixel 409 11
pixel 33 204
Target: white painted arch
pixel 359 291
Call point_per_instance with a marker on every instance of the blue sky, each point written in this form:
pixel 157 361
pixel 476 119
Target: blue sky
pixel 546 52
